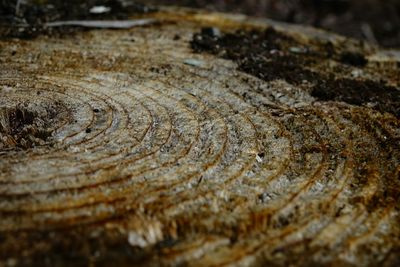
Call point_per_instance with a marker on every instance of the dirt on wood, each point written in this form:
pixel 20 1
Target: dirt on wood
pixel 271 55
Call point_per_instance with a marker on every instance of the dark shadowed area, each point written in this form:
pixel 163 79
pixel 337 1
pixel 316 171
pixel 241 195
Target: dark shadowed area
pixel 373 20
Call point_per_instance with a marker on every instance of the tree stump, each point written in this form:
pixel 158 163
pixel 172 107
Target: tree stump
pixel 202 140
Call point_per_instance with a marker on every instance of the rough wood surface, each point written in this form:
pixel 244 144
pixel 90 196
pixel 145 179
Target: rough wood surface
pixel 138 147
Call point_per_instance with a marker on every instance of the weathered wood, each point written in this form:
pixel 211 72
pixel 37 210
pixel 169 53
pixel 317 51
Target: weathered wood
pixel 137 147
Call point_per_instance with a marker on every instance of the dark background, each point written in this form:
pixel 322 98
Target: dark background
pixel 373 20
pixel 377 21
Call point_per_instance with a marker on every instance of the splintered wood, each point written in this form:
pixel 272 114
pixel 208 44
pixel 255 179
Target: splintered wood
pixel 131 148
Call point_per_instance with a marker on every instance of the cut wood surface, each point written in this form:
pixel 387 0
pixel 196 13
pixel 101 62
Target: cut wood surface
pixel 201 140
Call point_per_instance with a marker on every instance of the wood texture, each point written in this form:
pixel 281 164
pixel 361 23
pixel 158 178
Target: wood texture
pixel 128 148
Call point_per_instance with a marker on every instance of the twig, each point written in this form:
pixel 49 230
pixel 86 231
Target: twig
pixel 112 24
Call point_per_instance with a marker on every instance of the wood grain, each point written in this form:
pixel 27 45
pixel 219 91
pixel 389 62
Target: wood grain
pixel 132 149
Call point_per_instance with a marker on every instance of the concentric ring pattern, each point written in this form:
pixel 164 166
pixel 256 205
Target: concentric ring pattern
pixel 160 155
